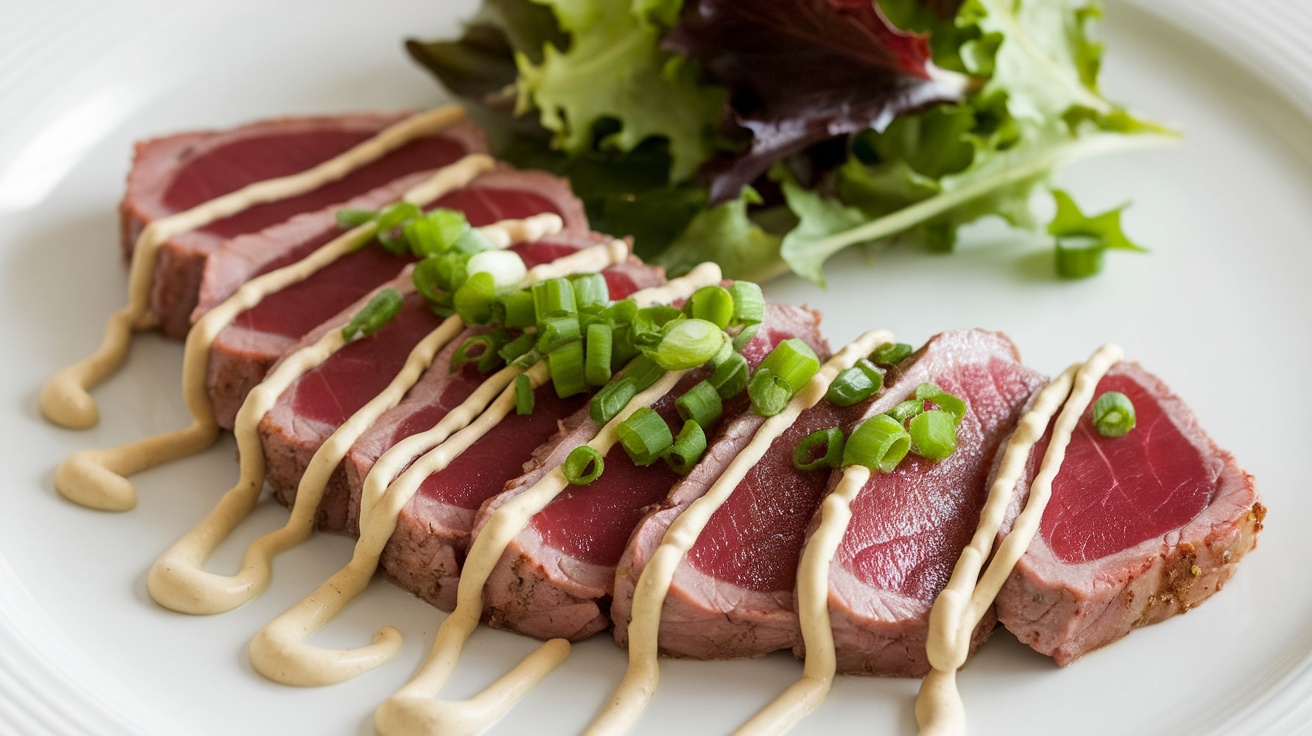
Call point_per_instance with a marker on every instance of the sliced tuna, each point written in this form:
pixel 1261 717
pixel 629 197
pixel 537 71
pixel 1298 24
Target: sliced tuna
pixel 908 527
pixel 178 172
pixel 1138 528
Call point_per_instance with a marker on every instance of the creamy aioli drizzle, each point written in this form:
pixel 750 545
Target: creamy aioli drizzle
pixel 65 400
pixel 413 709
pixel 177 581
pixel 958 609
pixel 98 478
pixel 643 674
pixel 279 651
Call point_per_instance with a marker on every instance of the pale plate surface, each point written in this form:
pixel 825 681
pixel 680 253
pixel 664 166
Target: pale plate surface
pixel 1219 309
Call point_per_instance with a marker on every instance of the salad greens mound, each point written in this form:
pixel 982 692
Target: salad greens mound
pixel 769 135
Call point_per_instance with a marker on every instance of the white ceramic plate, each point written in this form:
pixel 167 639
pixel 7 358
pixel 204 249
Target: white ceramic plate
pixel 1219 309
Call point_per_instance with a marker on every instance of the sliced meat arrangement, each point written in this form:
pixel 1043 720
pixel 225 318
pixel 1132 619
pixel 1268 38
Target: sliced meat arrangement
pixel 556 577
pixel 178 172
pixel 319 402
pixel 909 526
pixel 244 351
pixel 1138 528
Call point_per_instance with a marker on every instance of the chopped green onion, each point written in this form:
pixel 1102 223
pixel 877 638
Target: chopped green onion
pixel 480 350
pixel 475 297
pixel 1080 256
pixel 348 218
pixel 517 347
pixel 583 465
pixel 427 279
pixel 566 366
pixel 391 224
pixel 748 303
pixel 711 303
pixel 879 443
pixel 611 399
pixel 597 350
pixel 378 312
pixel 520 309
pixel 794 361
pixel 745 336
pixel 590 290
pixel 890 353
pixel 554 332
pixel 554 298
pixel 806 456
pixel 436 231
pixel 700 404
pixel 524 397
pixel 933 434
pixel 906 409
pixel 472 241
pixel 687 344
pixel 687 448
pixel 505 266
pixel 769 392
pixel 730 377
pixel 643 371
pixel 1113 414
pixel 622 312
pixel 650 324
pixel 645 436
pixel 855 384
pixel 947 402
pixel 448 270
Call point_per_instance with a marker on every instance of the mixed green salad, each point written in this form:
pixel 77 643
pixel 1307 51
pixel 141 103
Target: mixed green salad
pixel 769 135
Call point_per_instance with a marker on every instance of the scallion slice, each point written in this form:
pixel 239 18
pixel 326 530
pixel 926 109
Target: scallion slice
pixel 794 361
pixel 745 336
pixel 748 303
pixel 554 298
pixel 513 349
pixel 520 310
pixel 590 290
pixel 643 371
pixel 427 279
pixel 730 377
pixel 645 436
pixel 649 324
pixel 554 332
pixel 890 353
pixel 947 402
pixel 933 434
pixel 879 443
pixel 700 404
pixel 855 384
pixel 1113 414
pixel 687 448
pixel 1080 256
pixel 524 396
pixel 506 267
pixel 611 399
pixel 474 299
pixel 822 448
pixel 711 303
pixel 481 350
pixel 566 366
pixel 906 409
pixel 472 241
pixel 769 392
pixel 583 465
pixel 436 231
pixel 379 311
pixel 391 226
pixel 688 343
pixel 597 352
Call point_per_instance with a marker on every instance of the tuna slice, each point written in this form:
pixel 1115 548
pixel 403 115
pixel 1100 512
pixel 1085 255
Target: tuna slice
pixel 246 348
pixel 556 577
pixel 178 172
pixel 732 596
pixel 319 402
pixel 1138 528
pixel 908 527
